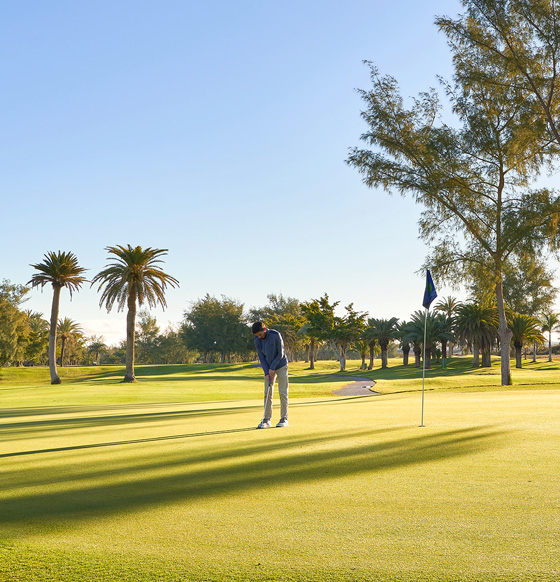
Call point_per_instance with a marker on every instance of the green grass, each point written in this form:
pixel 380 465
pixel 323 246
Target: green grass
pixel 167 480
pixel 460 375
pixel 172 383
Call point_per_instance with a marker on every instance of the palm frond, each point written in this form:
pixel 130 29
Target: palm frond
pixel 60 269
pixel 133 274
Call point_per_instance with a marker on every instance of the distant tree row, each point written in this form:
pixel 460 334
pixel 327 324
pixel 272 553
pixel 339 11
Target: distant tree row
pixel 218 330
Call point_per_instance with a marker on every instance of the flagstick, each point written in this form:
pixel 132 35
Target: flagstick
pixel 424 365
pixel 429 295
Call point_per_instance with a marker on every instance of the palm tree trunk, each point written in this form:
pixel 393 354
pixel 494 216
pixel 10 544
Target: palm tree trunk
pixel 550 346
pixel 428 356
pixel 384 355
pixel 518 356
pixel 384 358
pixel 476 355
pixel 371 355
pixel 405 352
pixel 312 353
pixel 417 360
pixel 52 334
pixel 130 337
pixel 485 351
pixel 62 344
pixel 534 352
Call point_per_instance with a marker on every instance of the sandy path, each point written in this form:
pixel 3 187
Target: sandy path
pixel 359 387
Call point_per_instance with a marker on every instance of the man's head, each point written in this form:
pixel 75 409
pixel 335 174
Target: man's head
pixel 259 329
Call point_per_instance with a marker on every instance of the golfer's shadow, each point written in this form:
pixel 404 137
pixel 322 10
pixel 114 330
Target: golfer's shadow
pixel 129 442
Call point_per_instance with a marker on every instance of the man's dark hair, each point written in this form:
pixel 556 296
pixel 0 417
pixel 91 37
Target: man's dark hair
pixel 257 326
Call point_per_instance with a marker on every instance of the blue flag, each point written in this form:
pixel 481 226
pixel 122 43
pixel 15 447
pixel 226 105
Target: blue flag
pixel 430 292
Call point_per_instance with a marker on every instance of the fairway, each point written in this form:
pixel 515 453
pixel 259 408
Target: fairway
pixel 354 490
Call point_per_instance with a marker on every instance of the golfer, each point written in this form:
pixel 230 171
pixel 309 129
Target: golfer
pixel 270 349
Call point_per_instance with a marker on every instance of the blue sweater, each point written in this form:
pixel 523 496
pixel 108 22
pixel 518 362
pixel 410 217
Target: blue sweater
pixel 271 351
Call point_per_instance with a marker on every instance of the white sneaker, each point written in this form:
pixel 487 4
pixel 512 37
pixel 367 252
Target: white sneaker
pixel 264 423
pixel 283 422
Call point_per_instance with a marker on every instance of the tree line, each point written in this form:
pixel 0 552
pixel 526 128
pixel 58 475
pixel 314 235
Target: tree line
pixel 218 330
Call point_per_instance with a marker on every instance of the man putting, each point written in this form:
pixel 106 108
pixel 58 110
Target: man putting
pixel 270 349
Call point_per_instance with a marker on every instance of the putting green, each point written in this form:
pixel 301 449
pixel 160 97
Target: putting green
pixel 354 489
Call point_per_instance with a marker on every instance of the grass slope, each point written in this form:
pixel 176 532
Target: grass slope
pixel 173 483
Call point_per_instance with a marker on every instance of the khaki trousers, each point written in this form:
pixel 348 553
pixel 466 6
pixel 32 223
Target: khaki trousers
pixel 282 377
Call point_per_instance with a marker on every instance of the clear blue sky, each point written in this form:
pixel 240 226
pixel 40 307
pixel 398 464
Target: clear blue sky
pixel 217 130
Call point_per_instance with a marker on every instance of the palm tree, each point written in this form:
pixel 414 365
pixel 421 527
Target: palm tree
pixel 525 328
pixel 433 329
pixel 361 346
pixel 60 270
pixel 369 335
pixel 97 345
pixel 416 340
pixel 402 335
pixel 67 329
pixel 412 332
pixel 477 326
pixel 447 307
pixel 550 323
pixel 132 278
pixel 385 331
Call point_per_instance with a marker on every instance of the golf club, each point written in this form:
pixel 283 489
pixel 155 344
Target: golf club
pixel 266 396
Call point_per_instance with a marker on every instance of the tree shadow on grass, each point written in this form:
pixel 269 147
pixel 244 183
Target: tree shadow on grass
pixel 204 376
pixel 79 485
pixel 70 417
pixel 123 442
pixel 84 374
pixel 196 369
pixel 27 427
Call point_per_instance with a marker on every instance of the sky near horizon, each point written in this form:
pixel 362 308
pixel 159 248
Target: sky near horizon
pixel 216 130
